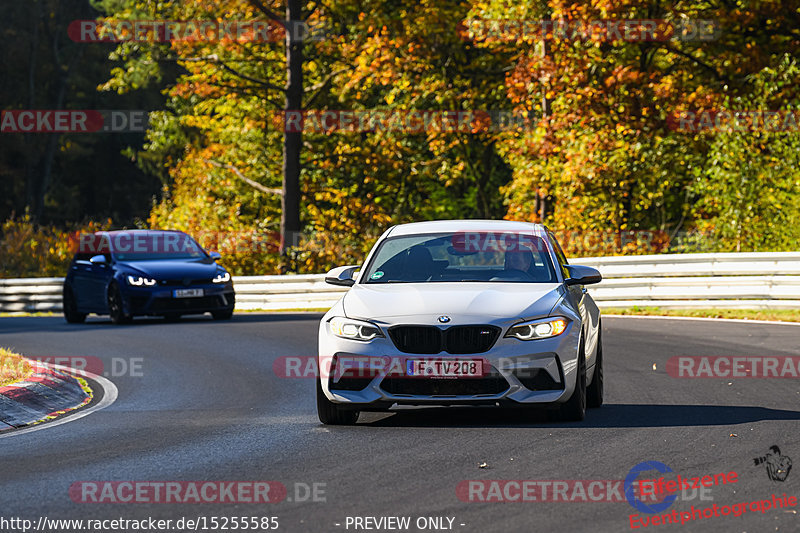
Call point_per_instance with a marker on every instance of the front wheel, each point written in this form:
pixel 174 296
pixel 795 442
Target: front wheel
pixel 574 410
pixel 594 394
pixel 70 308
pixel 332 414
pixel 115 306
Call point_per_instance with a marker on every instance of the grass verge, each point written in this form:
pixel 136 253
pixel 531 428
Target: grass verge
pixel 777 315
pixel 26 314
pixel 13 367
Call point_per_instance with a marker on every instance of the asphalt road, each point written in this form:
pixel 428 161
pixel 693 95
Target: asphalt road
pixel 204 403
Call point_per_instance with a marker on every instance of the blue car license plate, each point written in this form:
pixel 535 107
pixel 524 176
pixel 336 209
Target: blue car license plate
pixel 187 293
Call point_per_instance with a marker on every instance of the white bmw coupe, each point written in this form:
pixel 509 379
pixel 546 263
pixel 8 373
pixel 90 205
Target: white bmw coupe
pixel 461 312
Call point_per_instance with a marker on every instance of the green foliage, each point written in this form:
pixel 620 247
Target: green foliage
pixel 748 196
pixel 607 155
pixel 31 250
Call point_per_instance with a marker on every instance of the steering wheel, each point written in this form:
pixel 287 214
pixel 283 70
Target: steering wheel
pixel 512 274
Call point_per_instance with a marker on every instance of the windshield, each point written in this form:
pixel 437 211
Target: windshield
pixel 155 247
pixel 492 257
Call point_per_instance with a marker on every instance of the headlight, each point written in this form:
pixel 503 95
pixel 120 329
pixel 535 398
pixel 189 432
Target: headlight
pixel 538 329
pixel 222 277
pixel 138 281
pixel 348 328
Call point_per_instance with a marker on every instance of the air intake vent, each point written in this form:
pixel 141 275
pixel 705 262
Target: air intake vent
pixel 491 384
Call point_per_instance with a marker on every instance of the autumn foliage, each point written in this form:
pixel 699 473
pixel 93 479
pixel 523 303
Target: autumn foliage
pixel 598 152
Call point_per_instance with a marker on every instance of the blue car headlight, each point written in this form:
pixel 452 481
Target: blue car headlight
pixel 222 277
pixel 138 281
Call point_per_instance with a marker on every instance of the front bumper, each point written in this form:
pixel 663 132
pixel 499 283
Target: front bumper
pixel 515 372
pixel 161 300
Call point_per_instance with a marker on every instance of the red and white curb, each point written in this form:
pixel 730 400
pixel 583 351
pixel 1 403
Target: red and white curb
pixel 49 392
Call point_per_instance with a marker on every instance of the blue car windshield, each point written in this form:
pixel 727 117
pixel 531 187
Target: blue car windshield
pixel 155 247
pixel 462 256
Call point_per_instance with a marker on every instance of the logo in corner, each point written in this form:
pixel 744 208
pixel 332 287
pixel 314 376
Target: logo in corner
pixel 630 488
pixel 778 466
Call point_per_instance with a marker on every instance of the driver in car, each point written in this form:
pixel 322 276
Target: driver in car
pixel 518 259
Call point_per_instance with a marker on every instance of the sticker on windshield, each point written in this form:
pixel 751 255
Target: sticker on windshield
pixel 377 275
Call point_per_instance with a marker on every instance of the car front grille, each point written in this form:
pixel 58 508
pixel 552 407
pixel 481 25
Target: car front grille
pixel 417 339
pixel 470 339
pixel 454 340
pixel 491 384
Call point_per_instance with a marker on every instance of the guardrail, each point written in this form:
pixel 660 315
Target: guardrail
pixel 754 280
pixel 741 280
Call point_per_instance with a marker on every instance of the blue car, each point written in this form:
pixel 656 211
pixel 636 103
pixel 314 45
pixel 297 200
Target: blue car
pixel 144 272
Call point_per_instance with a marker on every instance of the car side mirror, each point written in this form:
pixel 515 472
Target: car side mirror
pixel 342 276
pixel 98 260
pixel 215 255
pixel 582 275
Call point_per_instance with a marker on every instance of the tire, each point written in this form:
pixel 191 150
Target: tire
pixel 594 393
pixel 222 315
pixel 574 410
pixel 331 414
pixel 70 307
pixel 115 306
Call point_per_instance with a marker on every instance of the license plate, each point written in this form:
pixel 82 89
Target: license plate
pixel 444 368
pixel 187 293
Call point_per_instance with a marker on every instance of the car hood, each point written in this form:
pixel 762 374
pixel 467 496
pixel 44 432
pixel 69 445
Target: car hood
pixel 462 302
pixel 175 269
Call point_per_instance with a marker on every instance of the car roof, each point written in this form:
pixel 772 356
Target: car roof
pixel 445 226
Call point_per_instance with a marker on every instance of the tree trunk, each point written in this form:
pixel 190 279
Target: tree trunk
pixel 31 179
pixel 292 140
